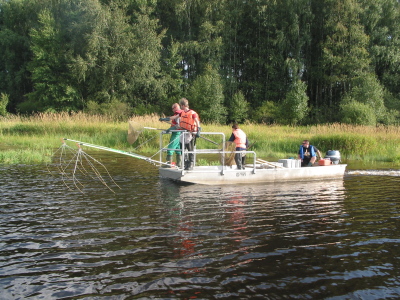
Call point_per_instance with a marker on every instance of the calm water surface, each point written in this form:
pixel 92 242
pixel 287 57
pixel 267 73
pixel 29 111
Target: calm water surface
pixel 158 239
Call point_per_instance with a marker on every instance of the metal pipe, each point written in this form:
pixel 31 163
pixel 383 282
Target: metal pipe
pixel 115 151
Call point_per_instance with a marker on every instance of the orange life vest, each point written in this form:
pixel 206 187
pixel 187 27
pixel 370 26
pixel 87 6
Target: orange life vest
pixel 187 120
pixel 177 112
pixel 240 138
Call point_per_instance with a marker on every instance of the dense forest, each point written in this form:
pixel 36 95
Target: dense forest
pixel 271 61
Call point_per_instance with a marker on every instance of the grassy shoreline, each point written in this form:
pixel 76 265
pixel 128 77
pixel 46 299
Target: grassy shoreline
pixel 33 139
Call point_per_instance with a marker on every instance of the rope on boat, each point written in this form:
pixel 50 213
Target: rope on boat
pixel 145 142
pixel 169 142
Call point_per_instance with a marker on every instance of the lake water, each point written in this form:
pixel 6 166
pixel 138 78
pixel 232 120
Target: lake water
pixel 157 239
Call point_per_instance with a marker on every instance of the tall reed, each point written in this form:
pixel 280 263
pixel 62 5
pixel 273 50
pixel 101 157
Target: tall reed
pixel 41 132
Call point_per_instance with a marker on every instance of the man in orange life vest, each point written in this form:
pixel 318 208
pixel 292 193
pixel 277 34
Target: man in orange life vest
pixel 239 137
pixel 190 121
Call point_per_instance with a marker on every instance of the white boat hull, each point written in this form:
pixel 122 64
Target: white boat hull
pixel 214 175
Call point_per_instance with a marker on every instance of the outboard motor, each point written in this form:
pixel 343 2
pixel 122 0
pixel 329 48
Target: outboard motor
pixel 333 155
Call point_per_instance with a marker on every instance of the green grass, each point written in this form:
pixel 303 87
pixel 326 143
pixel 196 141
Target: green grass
pixel 33 139
pixel 24 156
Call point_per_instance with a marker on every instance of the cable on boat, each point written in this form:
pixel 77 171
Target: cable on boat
pixel 145 142
pixel 162 149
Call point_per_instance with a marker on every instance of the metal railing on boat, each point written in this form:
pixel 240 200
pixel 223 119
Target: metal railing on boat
pixel 220 151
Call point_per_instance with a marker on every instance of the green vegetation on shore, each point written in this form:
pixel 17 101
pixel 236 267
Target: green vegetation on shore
pixel 296 62
pixel 33 139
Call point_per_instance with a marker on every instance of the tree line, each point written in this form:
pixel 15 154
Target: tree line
pixel 271 61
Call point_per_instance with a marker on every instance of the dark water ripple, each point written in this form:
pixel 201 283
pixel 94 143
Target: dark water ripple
pixel 157 239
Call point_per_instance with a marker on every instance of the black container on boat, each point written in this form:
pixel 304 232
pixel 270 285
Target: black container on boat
pixel 333 155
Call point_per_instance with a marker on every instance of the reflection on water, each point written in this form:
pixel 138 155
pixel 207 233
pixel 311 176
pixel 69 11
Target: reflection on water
pixel 375 172
pixel 158 239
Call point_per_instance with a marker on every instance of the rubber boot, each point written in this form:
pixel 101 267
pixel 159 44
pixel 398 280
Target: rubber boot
pixel 243 162
pixel 179 161
pixel 187 165
pixel 238 161
pixel 169 158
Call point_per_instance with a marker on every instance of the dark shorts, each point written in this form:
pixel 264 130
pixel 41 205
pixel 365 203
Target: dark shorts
pixel 305 161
